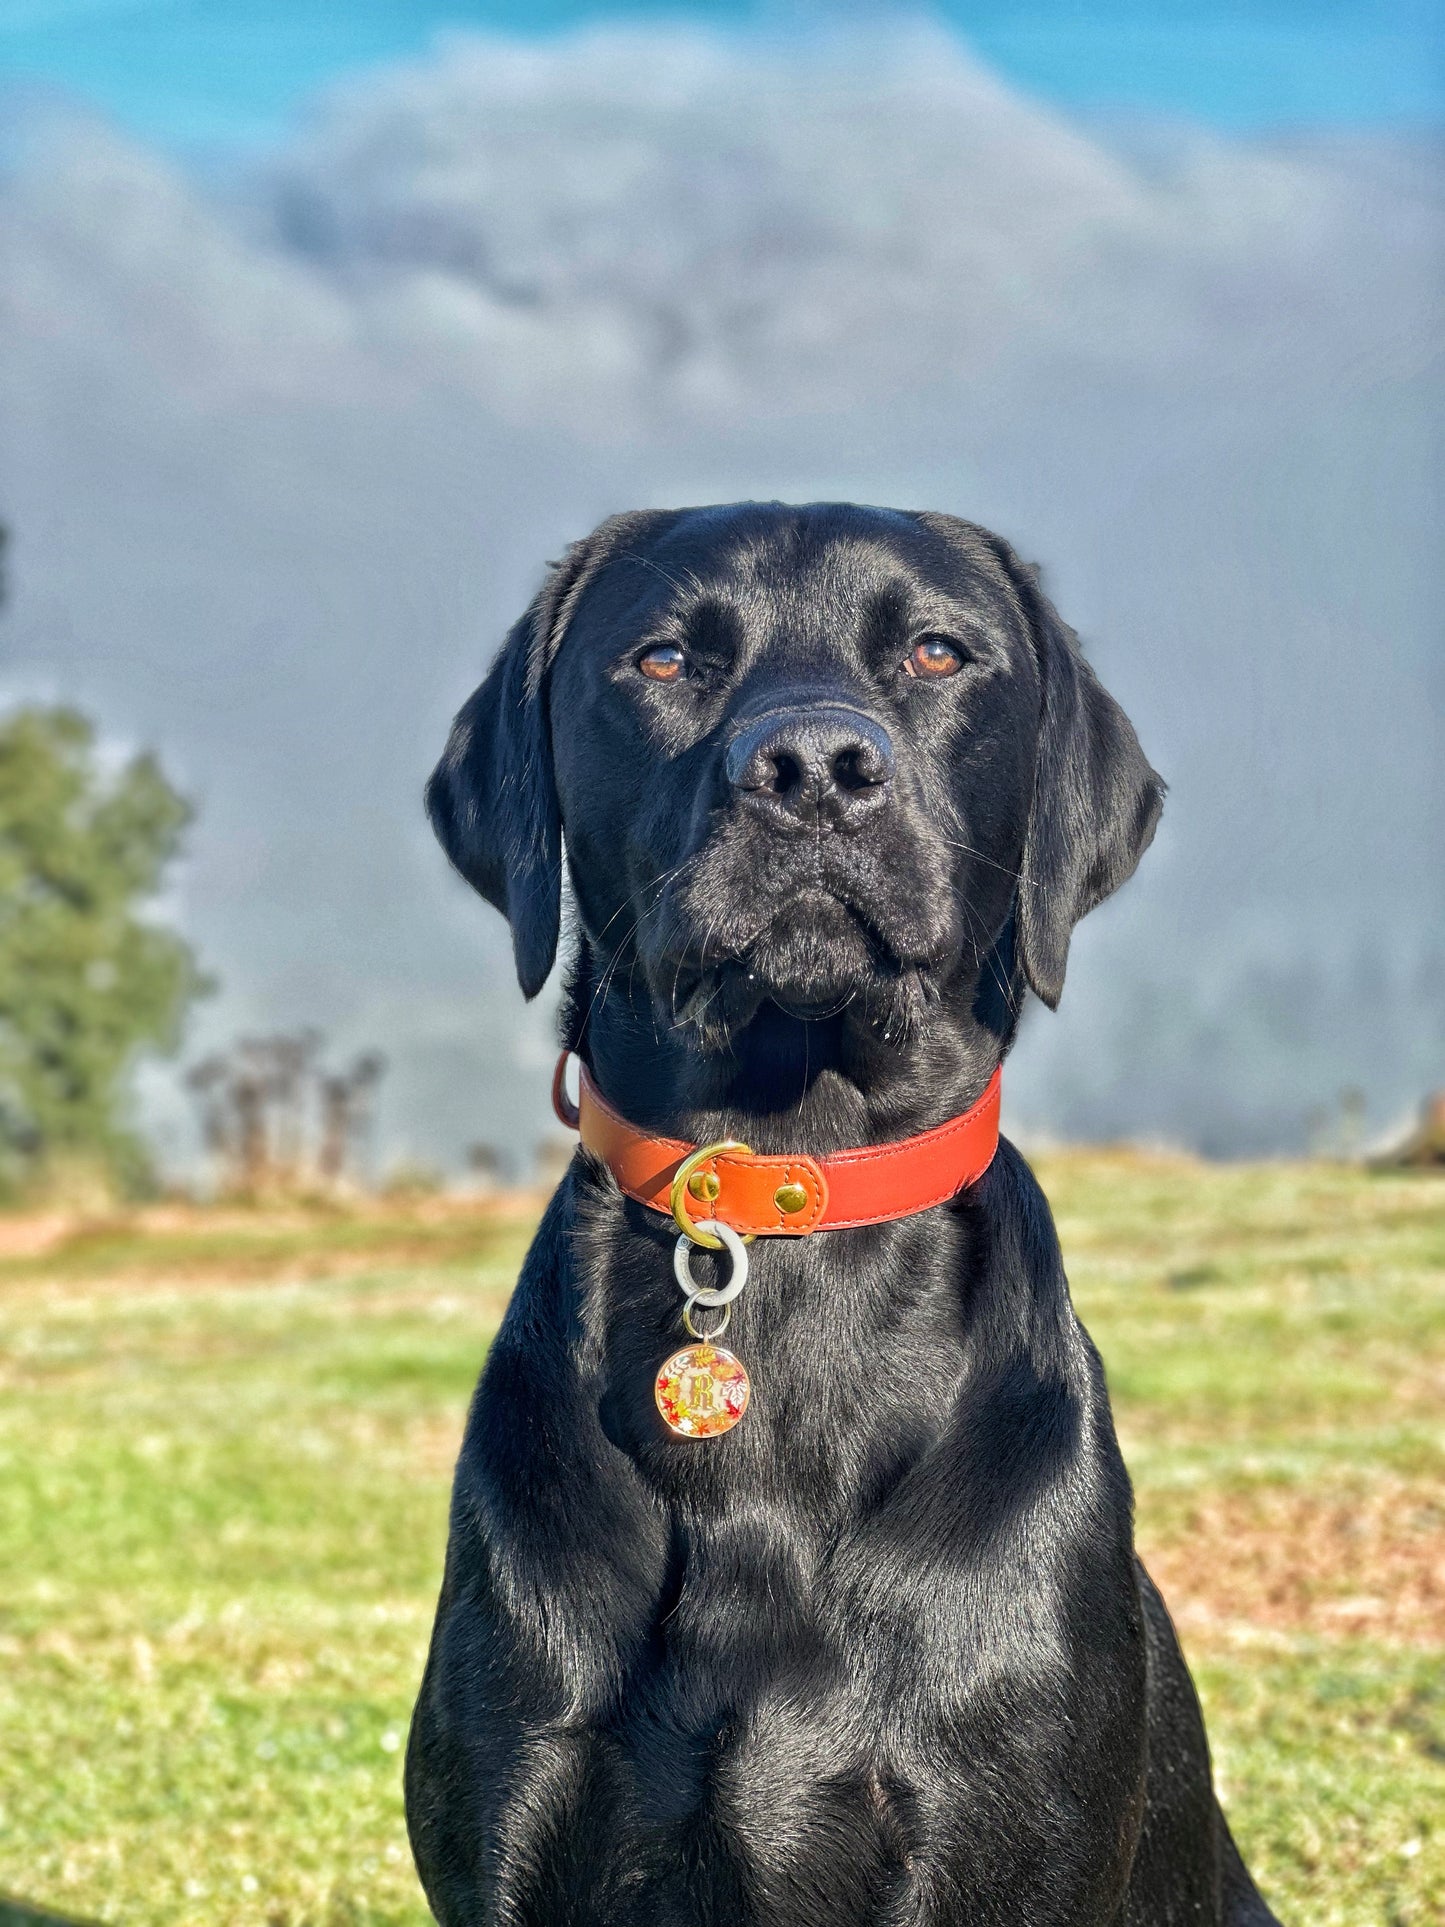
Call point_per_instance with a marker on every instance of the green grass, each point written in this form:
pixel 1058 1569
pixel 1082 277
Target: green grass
pixel 225 1447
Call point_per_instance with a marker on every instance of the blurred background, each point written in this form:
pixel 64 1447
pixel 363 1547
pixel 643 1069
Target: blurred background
pixel 322 328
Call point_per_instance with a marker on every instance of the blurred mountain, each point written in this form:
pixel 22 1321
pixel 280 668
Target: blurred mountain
pixel 285 446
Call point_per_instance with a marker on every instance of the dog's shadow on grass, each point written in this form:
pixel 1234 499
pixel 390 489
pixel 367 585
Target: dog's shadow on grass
pixel 19 1913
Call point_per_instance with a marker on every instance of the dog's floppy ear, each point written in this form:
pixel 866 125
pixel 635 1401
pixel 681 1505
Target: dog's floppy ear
pixel 493 804
pixel 1096 801
pixel 492 798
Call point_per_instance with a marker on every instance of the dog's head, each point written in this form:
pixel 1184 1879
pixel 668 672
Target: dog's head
pixel 816 757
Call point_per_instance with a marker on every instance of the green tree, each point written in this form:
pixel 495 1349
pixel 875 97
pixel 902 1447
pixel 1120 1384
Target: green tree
pixel 89 981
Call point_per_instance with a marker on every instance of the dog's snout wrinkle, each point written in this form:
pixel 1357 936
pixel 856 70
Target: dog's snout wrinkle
pixel 824 765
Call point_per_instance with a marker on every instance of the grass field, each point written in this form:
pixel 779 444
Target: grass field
pixel 225 1445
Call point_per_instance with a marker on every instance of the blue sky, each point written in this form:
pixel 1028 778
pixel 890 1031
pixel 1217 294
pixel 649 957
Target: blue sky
pixel 206 71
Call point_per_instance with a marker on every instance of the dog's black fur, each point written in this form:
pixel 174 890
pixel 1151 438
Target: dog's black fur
pixel 883 1656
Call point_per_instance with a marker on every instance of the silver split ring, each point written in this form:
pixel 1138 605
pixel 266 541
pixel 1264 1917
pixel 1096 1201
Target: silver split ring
pixel 682 1265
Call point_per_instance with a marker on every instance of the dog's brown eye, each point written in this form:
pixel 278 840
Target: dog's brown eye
pixel 932 656
pixel 666 663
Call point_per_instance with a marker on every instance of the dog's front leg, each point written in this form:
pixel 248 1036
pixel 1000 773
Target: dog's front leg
pixel 995 1602
pixel 554 1566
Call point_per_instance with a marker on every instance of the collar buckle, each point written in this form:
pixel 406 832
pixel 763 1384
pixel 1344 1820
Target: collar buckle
pixel 706 1187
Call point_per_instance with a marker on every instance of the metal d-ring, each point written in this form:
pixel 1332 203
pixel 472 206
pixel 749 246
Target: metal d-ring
pixel 682 1186
pixel 711 1295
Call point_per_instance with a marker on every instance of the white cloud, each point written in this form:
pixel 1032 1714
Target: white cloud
pixel 283 461
pixel 771 223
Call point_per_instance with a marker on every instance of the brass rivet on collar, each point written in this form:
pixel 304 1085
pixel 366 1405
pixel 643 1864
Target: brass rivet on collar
pixel 790 1197
pixel 704 1185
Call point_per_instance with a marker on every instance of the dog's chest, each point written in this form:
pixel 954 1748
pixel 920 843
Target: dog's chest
pixel 751 1733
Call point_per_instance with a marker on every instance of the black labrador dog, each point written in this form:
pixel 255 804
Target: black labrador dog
pixel 835 785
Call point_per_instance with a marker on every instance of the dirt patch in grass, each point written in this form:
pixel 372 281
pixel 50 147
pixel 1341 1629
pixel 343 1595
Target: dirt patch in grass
pixel 201 1247
pixel 1331 1566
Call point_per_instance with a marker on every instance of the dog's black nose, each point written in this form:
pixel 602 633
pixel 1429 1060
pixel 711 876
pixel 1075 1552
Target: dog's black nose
pixel 826 765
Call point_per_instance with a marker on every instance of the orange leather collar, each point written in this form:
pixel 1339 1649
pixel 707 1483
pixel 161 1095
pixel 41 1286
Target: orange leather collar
pixel 788 1196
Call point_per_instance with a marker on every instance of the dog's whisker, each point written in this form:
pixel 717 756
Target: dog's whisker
pixel 1003 868
pixel 656 885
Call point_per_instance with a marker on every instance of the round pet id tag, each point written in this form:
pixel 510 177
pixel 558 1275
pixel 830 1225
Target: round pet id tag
pixel 702 1391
